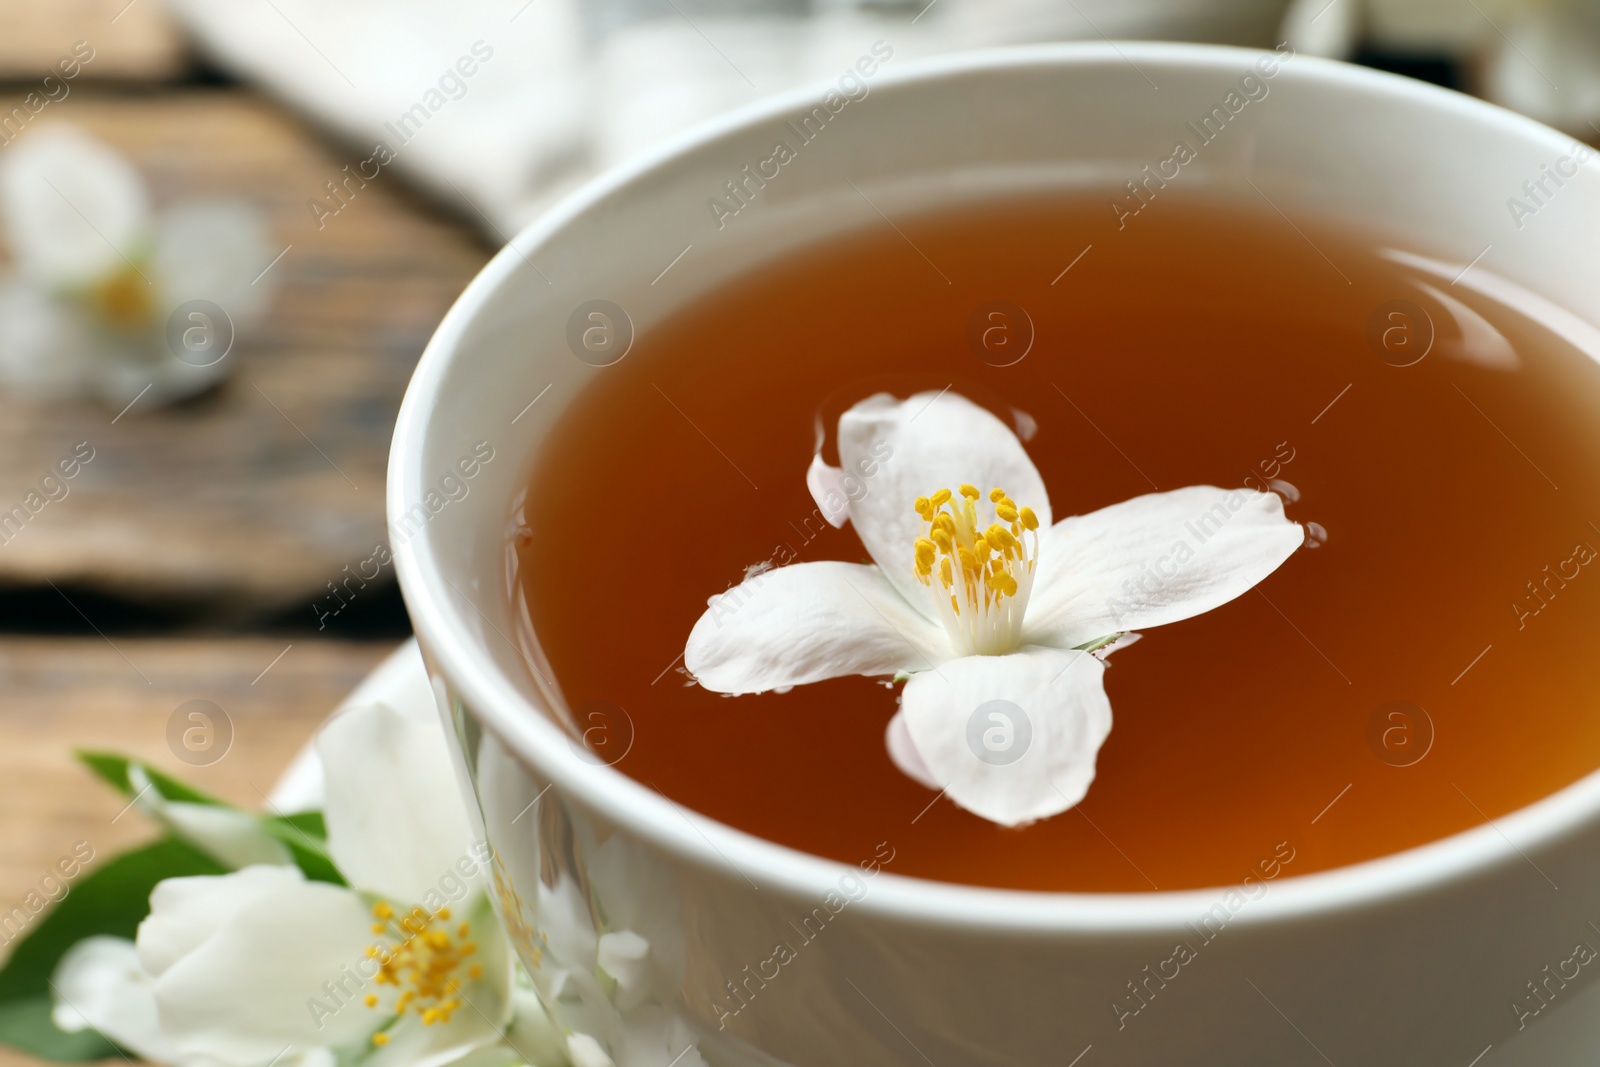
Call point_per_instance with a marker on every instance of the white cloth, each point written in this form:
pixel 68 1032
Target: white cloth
pixel 569 87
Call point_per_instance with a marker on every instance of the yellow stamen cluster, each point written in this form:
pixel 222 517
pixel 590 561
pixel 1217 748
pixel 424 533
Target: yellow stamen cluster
pixel 984 568
pixel 123 300
pixel 423 962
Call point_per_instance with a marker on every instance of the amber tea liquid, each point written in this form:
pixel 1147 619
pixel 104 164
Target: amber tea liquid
pixel 1428 666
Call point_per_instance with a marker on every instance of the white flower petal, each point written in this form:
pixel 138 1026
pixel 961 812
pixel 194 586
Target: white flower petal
pixel 73 209
pixel 532 1034
pixel 625 956
pixel 634 891
pixel 586 1052
pixel 565 924
pixel 1012 738
pixel 100 984
pixel 1154 560
pixel 496 1055
pixel 186 911
pixel 246 989
pixel 411 1044
pixel 232 837
pixel 828 490
pixel 49 349
pixel 396 818
pixel 807 622
pixel 901 450
pixel 214 250
pixel 146 362
pixel 903 751
pixel 403 675
pixel 652 1036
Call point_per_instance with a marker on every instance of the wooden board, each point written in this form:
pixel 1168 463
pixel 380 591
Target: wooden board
pixel 65 693
pixel 250 499
pixel 132 39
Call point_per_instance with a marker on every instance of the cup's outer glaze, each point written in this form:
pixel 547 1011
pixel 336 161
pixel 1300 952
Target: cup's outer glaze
pixel 1427 957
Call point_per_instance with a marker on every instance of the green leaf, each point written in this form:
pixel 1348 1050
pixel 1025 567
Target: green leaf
pixel 26 1024
pixel 114 769
pixel 309 823
pixel 111 899
pixel 303 835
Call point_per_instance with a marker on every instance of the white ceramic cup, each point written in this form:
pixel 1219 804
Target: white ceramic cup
pixel 1416 958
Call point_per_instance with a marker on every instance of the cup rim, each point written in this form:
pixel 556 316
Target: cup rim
pixel 442 626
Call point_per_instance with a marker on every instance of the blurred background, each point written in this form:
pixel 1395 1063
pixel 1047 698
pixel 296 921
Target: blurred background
pixel 227 229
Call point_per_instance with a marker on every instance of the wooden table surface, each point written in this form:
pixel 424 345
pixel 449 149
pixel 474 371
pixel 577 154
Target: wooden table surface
pixel 212 525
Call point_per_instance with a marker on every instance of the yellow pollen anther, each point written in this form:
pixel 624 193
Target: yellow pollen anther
pixel 370 1000
pixel 425 965
pixel 380 1039
pixel 985 561
pixel 124 299
pixel 1001 537
pixel 381 910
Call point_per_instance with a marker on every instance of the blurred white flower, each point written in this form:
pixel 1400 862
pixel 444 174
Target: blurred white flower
pixel 405 967
pixel 106 299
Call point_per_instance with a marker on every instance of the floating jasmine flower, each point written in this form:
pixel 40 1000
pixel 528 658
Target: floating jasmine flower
pixel 999 619
pixel 106 299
